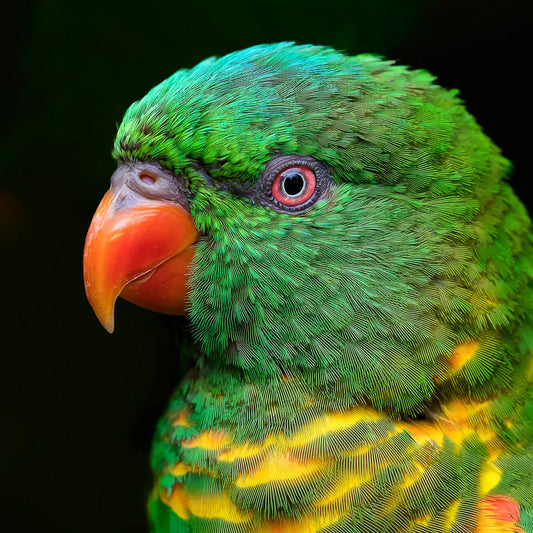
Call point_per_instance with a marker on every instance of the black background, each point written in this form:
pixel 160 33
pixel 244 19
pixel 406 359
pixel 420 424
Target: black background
pixel 79 406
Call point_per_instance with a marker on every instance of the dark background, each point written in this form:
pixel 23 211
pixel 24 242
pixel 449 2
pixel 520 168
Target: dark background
pixel 80 405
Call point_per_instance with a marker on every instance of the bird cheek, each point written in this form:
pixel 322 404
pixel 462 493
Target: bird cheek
pixel 140 252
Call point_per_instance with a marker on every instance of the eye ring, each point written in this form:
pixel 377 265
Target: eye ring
pixel 294 186
pixel 274 188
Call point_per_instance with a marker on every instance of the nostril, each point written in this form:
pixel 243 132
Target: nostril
pixel 147 178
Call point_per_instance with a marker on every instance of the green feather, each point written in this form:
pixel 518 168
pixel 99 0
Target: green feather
pixel 420 246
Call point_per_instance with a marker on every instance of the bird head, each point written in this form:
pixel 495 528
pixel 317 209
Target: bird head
pixel 337 218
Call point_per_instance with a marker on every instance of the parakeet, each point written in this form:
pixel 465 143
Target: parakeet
pixel 358 280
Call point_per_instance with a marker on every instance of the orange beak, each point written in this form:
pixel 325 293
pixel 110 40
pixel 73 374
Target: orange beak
pixel 141 252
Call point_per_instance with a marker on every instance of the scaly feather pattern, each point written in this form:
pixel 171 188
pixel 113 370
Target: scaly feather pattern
pixel 366 365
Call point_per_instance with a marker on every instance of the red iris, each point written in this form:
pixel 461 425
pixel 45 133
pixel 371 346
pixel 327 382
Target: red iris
pixel 294 186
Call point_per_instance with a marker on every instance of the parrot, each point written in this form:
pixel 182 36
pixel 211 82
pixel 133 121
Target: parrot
pixel 356 277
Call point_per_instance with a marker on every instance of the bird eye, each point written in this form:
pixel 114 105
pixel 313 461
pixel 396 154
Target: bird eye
pixel 294 186
pixel 292 183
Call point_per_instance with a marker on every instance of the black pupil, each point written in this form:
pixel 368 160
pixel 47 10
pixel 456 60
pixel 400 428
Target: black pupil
pixel 293 184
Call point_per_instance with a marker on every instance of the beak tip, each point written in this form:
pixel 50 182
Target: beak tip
pixel 104 311
pixel 108 322
pixel 105 317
